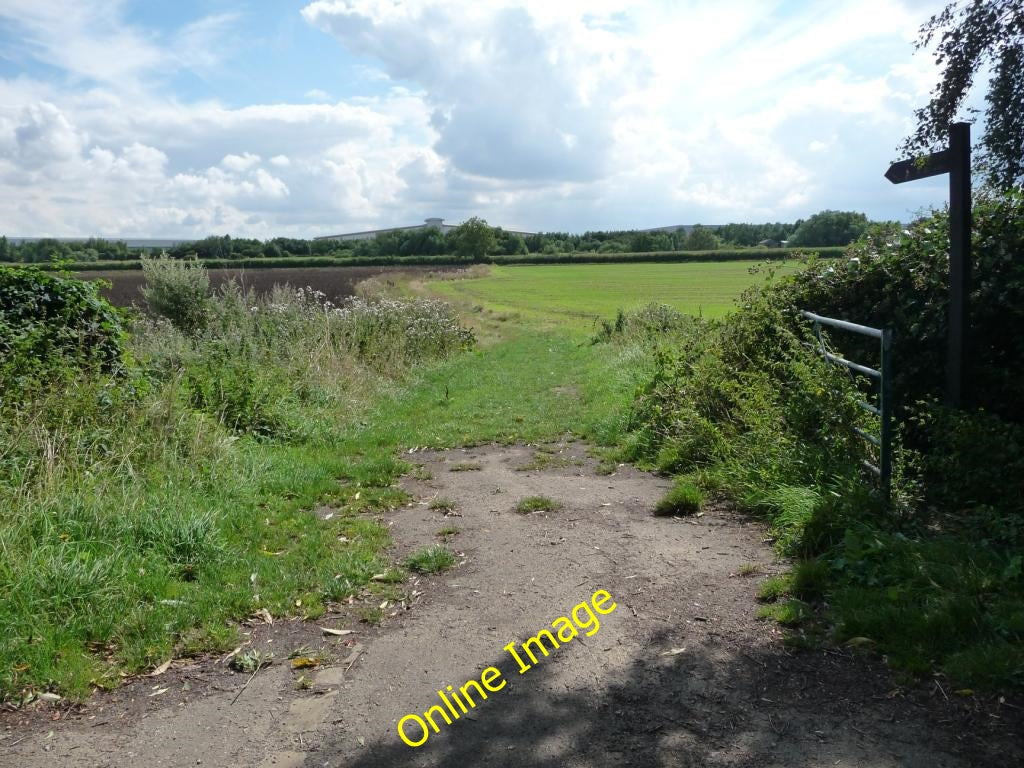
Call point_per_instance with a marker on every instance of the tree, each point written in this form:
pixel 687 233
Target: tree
pixel 473 239
pixel 701 239
pixel 976 36
pixel 830 228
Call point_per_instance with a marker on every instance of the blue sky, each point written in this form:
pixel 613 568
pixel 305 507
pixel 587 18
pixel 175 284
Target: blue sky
pixel 195 117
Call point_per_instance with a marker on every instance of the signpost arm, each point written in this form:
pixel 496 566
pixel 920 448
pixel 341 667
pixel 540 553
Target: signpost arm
pixel 957 390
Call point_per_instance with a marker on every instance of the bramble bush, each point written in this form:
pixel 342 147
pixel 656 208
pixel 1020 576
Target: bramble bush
pixel 50 327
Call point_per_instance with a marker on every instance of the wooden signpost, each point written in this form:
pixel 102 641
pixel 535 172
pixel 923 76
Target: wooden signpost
pixel 956 161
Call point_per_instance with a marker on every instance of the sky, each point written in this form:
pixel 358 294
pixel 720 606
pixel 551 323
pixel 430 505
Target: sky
pixel 259 119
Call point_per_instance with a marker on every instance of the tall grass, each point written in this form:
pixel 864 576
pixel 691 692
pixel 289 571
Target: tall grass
pixel 144 508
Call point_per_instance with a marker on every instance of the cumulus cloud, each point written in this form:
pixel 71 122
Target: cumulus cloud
pixel 240 163
pixel 512 94
pixel 576 115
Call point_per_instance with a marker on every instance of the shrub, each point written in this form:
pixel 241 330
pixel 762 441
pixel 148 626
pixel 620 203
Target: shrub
pixel 390 333
pixel 178 290
pixel 936 580
pixel 52 326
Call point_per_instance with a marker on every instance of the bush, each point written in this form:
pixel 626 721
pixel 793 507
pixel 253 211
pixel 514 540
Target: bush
pixel 390 333
pixel 51 327
pixel 899 279
pixel 936 580
pixel 178 290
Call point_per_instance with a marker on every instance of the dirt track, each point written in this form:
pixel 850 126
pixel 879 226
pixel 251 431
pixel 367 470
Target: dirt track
pixel 679 674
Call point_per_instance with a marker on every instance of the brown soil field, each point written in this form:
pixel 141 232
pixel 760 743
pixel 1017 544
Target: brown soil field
pixel 335 282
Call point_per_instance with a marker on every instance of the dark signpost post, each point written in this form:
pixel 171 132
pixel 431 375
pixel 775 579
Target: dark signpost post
pixel 956 161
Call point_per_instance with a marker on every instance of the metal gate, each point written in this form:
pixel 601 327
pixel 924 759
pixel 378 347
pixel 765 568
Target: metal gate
pixel 882 376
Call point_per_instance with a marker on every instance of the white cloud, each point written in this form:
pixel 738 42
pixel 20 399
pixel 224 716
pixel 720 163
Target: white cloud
pixel 571 115
pixel 240 163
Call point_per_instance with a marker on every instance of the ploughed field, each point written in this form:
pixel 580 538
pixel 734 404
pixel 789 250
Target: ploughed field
pixel 335 282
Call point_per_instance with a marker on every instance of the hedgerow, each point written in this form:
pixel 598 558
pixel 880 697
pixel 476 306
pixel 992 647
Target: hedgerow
pixel 935 580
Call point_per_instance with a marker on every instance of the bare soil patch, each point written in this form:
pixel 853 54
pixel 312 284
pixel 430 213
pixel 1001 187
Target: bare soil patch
pixel 680 674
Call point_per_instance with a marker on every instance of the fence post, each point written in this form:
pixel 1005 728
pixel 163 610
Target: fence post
pixel 885 406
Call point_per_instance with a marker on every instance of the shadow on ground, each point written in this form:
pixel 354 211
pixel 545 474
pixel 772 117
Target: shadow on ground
pixel 702 707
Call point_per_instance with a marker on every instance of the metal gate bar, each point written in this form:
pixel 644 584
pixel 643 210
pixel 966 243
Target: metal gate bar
pixel 883 375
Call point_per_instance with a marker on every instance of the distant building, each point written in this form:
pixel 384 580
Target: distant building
pixel 435 223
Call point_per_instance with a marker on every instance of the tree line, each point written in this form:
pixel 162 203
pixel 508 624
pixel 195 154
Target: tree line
pixel 473 239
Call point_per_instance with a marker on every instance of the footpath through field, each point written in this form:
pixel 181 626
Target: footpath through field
pixel 679 673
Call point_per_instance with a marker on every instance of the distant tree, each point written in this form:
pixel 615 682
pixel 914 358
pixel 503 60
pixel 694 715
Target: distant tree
pixel 829 228
pixel 473 239
pixel 701 239
pixel 5 249
pixel 509 243
pixel 978 36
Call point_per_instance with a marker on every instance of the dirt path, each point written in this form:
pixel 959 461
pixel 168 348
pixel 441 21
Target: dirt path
pixel 679 674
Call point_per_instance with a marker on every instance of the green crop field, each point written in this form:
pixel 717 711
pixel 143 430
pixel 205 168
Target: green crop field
pixel 577 295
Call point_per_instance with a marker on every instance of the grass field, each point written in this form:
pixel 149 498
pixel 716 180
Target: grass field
pixel 578 295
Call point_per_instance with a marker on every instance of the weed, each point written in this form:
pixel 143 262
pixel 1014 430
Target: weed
pixel 684 498
pixel 250 661
pixel 544 458
pixel 442 504
pixel 810 579
pixel 790 613
pixel 774 587
pixel 371 614
pixel 535 504
pixel 748 569
pixel 420 472
pixel 448 531
pixel 432 559
pixel 303 682
pixel 465 466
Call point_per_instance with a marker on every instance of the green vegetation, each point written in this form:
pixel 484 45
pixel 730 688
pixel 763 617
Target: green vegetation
pixel 157 478
pixel 50 326
pixel 684 498
pixel 442 504
pixel 145 509
pixel 432 559
pixel 744 406
pixel 532 504
pixel 578 296
pixel 977 42
pixel 466 466
pixel 473 240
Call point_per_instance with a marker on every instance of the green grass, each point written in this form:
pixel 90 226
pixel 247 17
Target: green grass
pixel 532 504
pixel 466 466
pixel 432 559
pixel 684 498
pixel 442 504
pixel 576 296
pixel 127 571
